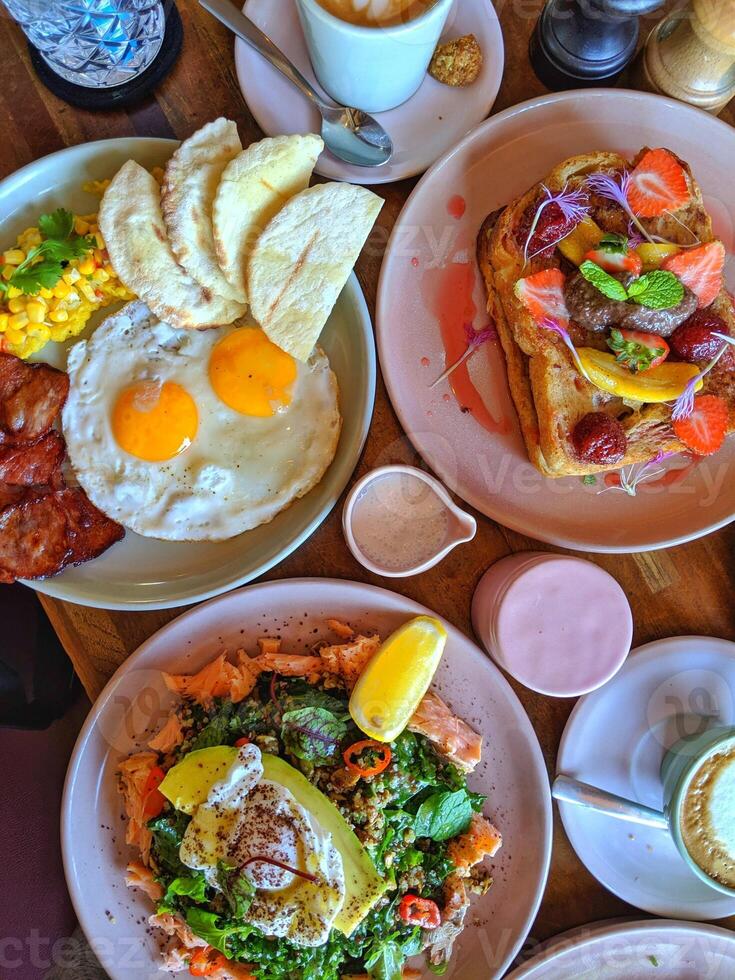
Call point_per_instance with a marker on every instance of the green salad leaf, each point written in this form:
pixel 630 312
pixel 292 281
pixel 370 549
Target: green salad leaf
pixel 237 888
pixel 443 815
pixel 313 734
pixel 168 832
pixel 214 929
pixel 216 729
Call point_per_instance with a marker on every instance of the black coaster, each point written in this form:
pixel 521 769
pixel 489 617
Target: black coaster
pixel 120 96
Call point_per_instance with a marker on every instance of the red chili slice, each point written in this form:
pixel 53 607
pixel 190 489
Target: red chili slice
pixel 417 911
pixel 352 753
pixel 154 799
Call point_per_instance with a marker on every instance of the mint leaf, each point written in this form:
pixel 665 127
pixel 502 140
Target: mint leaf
pixel 589 480
pixel 443 815
pixel 608 285
pixel 613 244
pixel 658 290
pixel 56 225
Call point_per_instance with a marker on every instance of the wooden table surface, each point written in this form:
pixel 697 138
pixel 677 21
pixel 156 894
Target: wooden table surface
pixel 685 590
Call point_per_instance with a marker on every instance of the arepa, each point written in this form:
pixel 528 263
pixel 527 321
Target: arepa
pixel 190 183
pixel 303 258
pixel 254 187
pixel 131 222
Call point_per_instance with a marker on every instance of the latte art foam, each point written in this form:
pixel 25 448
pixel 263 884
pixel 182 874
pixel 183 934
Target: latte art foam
pixel 376 13
pixel 708 816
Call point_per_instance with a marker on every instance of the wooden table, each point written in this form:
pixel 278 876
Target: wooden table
pixel 684 590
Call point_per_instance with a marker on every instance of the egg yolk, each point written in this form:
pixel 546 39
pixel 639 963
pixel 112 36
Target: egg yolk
pixel 154 421
pixel 250 374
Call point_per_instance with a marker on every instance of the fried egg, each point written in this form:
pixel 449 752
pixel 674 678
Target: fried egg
pixel 246 818
pixel 190 435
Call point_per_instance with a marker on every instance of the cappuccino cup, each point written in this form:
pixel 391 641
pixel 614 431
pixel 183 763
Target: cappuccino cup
pixel 372 54
pixel 698 774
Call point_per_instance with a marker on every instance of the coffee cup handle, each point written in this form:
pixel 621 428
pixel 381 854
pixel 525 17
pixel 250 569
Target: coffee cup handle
pixel 574 791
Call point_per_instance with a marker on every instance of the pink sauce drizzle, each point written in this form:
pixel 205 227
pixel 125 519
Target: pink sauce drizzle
pixel 415 262
pixel 456 206
pixel 450 290
pixel 425 362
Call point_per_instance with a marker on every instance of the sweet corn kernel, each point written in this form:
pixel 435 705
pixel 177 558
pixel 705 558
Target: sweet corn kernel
pixel 87 266
pixel 16 305
pixel 61 289
pixel 58 316
pixel 58 334
pixel 4 322
pixel 14 336
pixel 13 291
pixel 46 293
pixel 36 310
pixel 14 256
pixel 99 275
pixel 87 291
pixel 99 239
pixel 18 321
pixel 81 227
pixel 40 331
pixel 72 276
pixel 8 271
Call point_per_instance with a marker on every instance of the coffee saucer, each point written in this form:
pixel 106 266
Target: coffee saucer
pixel 423 129
pixel 616 738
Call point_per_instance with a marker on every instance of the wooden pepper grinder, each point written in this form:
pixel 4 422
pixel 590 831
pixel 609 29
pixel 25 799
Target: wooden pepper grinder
pixel 586 42
pixel 690 55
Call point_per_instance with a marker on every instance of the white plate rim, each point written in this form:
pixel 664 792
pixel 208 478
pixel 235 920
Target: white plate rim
pixel 556 948
pixel 383 333
pixel 367 593
pixel 334 169
pixel 641 654
pixel 56 587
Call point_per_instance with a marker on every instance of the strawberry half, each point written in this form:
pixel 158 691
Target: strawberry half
pixel 543 296
pixel 638 350
pixel 704 430
pixel 700 269
pixel 658 184
pixel 625 261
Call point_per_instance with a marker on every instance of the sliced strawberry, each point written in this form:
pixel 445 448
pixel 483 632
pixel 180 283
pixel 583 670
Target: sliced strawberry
pixel 700 269
pixel 639 351
pixel 543 296
pixel 704 430
pixel 627 261
pixel 658 184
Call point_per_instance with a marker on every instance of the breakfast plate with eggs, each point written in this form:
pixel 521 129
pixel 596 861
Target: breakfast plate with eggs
pixel 310 778
pixel 194 432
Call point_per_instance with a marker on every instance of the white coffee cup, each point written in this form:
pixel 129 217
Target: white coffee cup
pixel 371 68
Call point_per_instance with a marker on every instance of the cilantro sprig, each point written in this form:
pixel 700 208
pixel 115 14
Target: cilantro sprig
pixel 657 290
pixel 44 264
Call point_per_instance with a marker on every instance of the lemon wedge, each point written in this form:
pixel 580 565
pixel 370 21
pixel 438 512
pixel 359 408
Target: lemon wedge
pixel 397 677
pixel 661 384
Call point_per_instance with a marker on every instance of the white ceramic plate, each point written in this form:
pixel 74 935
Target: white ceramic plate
pixel 422 129
pixel 512 773
pixel 645 950
pixel 430 276
pixel 616 739
pixel 142 573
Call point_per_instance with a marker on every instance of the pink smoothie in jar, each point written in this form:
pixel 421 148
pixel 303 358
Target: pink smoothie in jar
pixel 559 625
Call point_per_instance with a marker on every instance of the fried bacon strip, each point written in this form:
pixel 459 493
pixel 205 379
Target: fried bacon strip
pixel 31 397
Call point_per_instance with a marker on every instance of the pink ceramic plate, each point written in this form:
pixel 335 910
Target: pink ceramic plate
pixel 645 950
pixel 430 286
pixel 512 772
pixel 422 129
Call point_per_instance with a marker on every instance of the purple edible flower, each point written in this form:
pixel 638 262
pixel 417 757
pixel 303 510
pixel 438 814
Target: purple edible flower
pixel 684 404
pixel 548 324
pixel 632 477
pixel 572 204
pixel 475 339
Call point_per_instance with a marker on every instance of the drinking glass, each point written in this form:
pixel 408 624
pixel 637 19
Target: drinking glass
pixel 93 43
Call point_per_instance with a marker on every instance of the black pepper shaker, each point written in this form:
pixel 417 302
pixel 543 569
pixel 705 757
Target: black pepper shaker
pixel 580 43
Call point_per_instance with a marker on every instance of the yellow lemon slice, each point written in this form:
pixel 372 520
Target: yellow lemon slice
pixel 397 677
pixel 661 384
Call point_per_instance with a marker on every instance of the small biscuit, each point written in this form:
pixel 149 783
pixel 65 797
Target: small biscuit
pixel 457 62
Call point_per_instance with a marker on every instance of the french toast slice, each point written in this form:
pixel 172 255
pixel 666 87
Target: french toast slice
pixel 549 393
